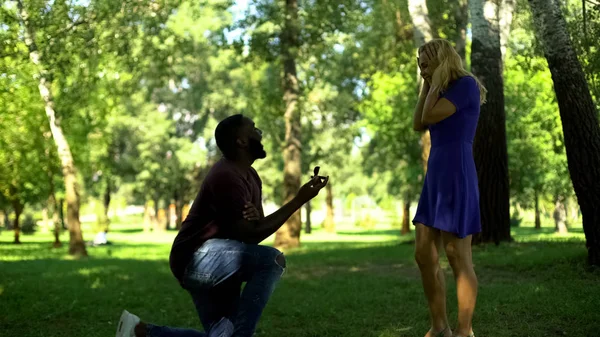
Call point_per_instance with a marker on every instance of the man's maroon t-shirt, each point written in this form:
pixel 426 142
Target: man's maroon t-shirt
pixel 220 202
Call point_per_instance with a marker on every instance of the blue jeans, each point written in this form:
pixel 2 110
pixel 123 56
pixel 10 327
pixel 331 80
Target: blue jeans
pixel 214 279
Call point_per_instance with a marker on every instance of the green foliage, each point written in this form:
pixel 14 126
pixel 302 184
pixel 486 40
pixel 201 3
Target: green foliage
pixel 26 152
pixel 139 87
pixel 537 159
pixel 28 224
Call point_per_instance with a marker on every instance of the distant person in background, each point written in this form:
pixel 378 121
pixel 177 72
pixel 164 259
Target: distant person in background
pixel 101 238
pixel 217 248
pixel 448 212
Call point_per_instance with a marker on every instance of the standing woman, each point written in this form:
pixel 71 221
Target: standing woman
pixel 448 211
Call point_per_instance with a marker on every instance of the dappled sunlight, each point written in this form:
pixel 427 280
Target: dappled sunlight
pixel 353 284
pixel 97 270
pixel 368 269
pixel 97 284
pixel 398 331
pixel 354 280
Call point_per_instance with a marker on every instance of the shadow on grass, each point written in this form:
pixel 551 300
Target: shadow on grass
pixel 126 230
pixel 391 232
pixel 346 289
pixel 532 231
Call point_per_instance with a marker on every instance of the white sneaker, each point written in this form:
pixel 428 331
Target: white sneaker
pixel 127 323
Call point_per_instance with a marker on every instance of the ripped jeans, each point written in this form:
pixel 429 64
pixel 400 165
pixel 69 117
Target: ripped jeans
pixel 214 279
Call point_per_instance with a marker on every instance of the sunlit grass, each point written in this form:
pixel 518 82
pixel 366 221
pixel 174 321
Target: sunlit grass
pixel 353 283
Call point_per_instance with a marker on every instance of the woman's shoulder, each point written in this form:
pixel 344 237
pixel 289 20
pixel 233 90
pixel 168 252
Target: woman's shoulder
pixel 465 83
pixel 466 80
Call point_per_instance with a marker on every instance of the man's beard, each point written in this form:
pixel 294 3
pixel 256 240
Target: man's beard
pixel 256 149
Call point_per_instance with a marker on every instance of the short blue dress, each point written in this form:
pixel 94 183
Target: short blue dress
pixel 450 197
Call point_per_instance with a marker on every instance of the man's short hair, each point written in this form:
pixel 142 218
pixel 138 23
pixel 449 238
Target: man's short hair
pixel 226 134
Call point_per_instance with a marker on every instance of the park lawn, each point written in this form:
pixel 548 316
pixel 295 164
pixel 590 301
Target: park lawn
pixel 355 283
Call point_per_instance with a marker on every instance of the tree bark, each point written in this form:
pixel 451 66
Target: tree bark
pixel 61 213
pixel 53 205
pixel 45 218
pixel 106 203
pixel 18 209
pixel 288 235
pixel 149 215
pixel 76 243
pixel 3 216
pixel 422 32
pixel 178 213
pixel 308 225
pixel 560 216
pixel 406 217
pixel 507 9
pixel 421 24
pixel 329 221
pixel 570 212
pixel 538 220
pixel 578 114
pixel 461 19
pixel 489 147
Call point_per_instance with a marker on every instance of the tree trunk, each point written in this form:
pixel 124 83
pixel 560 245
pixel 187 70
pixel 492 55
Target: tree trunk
pixel 185 211
pixel 489 147
pixel 406 217
pixel 61 213
pixel 55 220
pixel 578 114
pixel 571 211
pixel 538 220
pixel 329 221
pixel 45 218
pixel 461 19
pixel 18 208
pixel 3 216
pixel 76 243
pixel 178 213
pixel 507 9
pixel 421 23
pixel 560 216
pixel 106 204
pixel 289 234
pixel 160 218
pixel 422 33
pixel 308 225
pixel 53 206
pixel 149 215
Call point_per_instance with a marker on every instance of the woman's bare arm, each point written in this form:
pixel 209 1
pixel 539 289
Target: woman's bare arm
pixel 418 115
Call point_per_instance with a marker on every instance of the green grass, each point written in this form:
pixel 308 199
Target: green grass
pixel 355 283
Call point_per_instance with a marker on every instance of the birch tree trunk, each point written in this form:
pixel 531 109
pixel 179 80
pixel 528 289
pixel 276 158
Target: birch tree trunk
pixel 422 32
pixel 76 243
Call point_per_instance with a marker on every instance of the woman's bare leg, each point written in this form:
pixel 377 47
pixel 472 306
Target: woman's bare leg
pixel 427 247
pixel 460 258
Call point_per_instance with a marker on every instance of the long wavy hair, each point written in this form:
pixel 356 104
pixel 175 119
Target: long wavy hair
pixel 450 66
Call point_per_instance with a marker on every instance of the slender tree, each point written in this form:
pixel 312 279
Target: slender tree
pixel 578 114
pixel 489 147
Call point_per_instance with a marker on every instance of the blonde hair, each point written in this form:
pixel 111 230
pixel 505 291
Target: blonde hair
pixel 450 66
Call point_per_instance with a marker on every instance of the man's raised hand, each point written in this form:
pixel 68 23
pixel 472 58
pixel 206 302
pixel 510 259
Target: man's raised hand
pixel 312 187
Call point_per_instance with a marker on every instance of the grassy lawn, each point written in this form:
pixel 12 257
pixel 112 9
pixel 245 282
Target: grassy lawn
pixel 355 283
